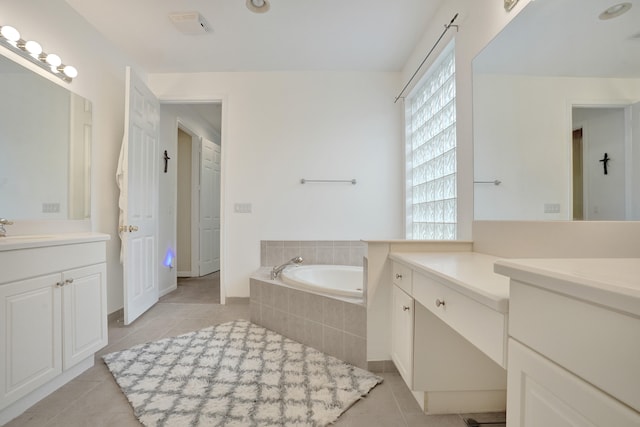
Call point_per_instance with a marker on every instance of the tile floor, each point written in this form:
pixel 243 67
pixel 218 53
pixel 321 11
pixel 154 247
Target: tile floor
pixel 94 399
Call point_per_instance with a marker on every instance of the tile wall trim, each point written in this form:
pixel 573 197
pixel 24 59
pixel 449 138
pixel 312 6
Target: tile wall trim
pixel 331 252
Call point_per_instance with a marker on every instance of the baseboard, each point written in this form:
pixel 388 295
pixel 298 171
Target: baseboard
pixel 382 366
pixel 18 407
pixel 464 402
pixel 168 290
pixel 237 300
pixel 118 314
pixel 186 274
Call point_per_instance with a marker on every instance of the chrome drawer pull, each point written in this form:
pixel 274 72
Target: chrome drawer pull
pixel 439 302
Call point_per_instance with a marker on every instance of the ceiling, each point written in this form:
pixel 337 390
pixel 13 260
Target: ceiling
pixel 294 35
pixel 566 38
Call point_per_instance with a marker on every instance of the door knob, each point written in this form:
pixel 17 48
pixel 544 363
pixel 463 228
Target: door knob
pixel 133 228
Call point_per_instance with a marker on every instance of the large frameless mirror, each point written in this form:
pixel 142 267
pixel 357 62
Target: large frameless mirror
pixel 45 140
pixel 555 100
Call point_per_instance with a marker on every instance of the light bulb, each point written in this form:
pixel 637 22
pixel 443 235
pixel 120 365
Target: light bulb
pixel 53 60
pixel 33 47
pixel 10 33
pixel 70 71
pixel 258 3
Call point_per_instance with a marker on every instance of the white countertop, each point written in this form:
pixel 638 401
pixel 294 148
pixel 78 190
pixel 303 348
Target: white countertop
pixel 612 282
pixel 469 273
pixel 27 241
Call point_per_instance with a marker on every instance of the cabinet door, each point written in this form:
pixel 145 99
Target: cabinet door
pixel 29 336
pixel 84 306
pixel 402 334
pixel 541 394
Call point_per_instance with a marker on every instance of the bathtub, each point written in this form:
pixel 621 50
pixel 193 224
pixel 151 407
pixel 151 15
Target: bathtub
pixel 342 280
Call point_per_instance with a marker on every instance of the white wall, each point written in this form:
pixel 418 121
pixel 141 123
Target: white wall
pixel 60 29
pixel 523 138
pixel 279 127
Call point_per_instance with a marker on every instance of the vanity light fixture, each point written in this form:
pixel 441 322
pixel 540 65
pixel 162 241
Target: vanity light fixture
pixel 32 50
pixel 615 11
pixel 258 6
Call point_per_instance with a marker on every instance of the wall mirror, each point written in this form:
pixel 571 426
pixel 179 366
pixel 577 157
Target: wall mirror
pixel 556 68
pixel 45 139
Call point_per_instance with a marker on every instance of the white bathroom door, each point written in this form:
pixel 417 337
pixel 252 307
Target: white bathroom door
pixel 633 169
pixel 208 157
pixel 216 208
pixel 139 225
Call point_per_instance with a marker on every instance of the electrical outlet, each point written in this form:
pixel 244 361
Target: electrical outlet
pixel 50 207
pixel 242 208
pixel 552 208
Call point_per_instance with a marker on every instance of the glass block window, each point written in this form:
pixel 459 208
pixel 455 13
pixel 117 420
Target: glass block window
pixel 430 117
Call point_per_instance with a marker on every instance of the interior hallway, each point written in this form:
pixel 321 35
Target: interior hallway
pixel 94 398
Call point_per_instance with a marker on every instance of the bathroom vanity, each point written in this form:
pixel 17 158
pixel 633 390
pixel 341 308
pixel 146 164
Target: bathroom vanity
pixel 53 312
pixel 574 342
pixel 449 329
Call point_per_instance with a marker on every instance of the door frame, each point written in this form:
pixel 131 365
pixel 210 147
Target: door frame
pixel 221 99
pixel 194 197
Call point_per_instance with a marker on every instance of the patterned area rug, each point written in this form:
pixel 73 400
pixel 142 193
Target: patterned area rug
pixel 236 374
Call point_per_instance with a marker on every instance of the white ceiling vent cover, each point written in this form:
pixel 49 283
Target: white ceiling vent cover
pixel 191 23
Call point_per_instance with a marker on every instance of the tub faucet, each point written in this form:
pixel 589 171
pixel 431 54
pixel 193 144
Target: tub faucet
pixel 3 222
pixel 276 270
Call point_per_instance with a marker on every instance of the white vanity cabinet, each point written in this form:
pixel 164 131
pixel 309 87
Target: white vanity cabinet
pixel 574 342
pixel 449 347
pixel 53 312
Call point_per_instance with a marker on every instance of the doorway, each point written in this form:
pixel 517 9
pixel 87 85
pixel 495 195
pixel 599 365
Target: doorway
pixel 195 129
pixel 600 162
pixel 578 175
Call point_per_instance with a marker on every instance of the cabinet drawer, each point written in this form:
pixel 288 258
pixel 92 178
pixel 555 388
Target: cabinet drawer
pixel 483 327
pixel 597 344
pixel 24 263
pixel 402 277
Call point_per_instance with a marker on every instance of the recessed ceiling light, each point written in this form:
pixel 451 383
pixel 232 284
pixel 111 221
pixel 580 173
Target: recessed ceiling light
pixel 258 6
pixel 615 10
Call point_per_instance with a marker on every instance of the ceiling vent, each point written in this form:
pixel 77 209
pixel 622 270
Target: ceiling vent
pixel 191 23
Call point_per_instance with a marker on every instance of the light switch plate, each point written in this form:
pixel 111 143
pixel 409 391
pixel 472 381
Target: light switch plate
pixel 50 207
pixel 242 208
pixel 552 208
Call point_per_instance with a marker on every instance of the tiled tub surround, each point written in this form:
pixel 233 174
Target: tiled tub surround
pixel 334 325
pixel 330 252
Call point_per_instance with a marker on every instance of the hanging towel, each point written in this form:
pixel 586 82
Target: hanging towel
pixel 121 180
